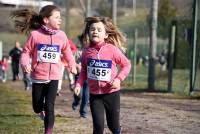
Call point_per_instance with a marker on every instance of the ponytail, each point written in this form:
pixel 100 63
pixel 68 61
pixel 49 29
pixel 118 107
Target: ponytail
pixel 26 20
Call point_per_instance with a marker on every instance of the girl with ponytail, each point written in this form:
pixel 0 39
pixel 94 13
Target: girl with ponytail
pixel 45 46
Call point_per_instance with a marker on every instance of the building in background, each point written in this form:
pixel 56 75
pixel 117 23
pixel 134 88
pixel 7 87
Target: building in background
pixel 31 3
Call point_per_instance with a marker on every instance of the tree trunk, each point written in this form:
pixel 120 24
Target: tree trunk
pixel 114 11
pixel 67 17
pixel 88 8
pixel 153 44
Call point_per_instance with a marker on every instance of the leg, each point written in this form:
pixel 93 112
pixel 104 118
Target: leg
pixel 50 97
pixel 59 87
pixel 17 69
pixel 13 70
pixel 84 100
pixel 112 108
pixel 97 111
pixel 38 95
pixel 71 80
pixel 76 98
pixel 1 73
pixel 60 82
pixel 25 80
pixel 4 76
pixel 28 78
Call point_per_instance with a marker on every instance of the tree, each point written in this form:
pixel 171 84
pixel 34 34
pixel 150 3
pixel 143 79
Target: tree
pixel 105 8
pixel 88 9
pixel 166 13
pixel 153 44
pixel 114 11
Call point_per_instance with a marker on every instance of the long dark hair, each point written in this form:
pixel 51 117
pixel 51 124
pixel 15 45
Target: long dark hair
pixel 115 37
pixel 26 20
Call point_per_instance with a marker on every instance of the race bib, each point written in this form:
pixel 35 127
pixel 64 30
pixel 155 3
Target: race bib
pixel 99 69
pixel 48 53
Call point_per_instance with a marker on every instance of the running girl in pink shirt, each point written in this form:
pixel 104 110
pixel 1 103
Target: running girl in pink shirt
pixel 45 46
pixel 99 68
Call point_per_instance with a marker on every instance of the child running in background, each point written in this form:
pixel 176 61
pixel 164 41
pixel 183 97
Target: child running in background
pixel 83 98
pixel 4 68
pixel 70 75
pixel 99 68
pixel 45 45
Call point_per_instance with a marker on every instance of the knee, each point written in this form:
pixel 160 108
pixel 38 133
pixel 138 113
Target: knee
pixel 49 107
pixel 37 108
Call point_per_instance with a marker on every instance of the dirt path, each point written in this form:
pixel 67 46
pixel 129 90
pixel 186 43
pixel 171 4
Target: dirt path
pixel 141 113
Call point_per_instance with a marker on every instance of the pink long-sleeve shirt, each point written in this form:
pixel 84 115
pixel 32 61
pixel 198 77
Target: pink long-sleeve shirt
pixel 45 51
pixel 99 68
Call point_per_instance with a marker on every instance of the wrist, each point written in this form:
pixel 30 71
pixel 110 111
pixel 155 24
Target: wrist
pixel 118 78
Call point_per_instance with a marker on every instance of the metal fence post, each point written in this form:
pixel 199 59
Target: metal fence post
pixel 1 50
pixel 134 56
pixel 171 55
pixel 194 39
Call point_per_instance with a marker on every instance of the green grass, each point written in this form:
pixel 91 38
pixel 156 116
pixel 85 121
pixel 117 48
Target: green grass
pixel 180 82
pixel 16 115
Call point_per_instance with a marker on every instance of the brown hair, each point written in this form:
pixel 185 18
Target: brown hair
pixel 26 20
pixel 115 37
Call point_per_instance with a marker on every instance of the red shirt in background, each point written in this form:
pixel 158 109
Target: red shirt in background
pixel 4 64
pixel 72 46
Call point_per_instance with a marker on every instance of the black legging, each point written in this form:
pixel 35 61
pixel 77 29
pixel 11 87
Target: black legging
pixel 43 99
pixel 111 104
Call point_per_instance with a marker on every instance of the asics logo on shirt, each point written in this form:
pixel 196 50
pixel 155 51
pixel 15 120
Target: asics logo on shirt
pixel 98 63
pixel 49 48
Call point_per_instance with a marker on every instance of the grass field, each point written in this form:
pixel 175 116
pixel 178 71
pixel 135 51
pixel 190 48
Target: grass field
pixel 180 81
pixel 16 115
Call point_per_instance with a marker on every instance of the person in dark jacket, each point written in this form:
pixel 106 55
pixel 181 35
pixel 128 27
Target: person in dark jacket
pixel 15 55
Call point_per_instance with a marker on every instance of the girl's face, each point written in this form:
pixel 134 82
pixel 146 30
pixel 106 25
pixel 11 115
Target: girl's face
pixel 97 32
pixel 54 21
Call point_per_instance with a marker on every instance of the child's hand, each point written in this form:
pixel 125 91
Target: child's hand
pixel 116 83
pixel 78 67
pixel 27 69
pixel 77 91
pixel 73 70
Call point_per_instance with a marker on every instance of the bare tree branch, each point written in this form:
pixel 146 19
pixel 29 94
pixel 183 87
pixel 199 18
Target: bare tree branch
pixel 82 3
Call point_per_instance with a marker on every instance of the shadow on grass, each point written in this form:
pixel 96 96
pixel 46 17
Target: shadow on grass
pixel 16 115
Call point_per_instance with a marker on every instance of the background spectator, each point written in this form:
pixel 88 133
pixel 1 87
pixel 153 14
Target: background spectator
pixel 15 55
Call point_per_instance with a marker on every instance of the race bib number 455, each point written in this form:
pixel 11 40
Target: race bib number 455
pixel 99 69
pixel 48 53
